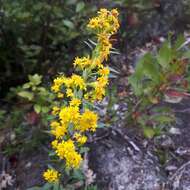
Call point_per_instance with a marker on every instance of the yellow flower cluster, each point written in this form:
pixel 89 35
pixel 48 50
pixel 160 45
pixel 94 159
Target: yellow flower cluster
pixel 106 22
pixel 75 81
pixel 51 175
pixel 74 119
pixel 82 63
pixel 80 138
pixel 66 150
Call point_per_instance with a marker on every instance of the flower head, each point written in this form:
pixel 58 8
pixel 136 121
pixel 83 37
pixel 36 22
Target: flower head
pixel 66 150
pixel 51 175
pixel 88 121
pixel 82 62
pixel 80 138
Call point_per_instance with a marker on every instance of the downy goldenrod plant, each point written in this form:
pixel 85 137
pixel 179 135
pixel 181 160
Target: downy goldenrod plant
pixel 74 118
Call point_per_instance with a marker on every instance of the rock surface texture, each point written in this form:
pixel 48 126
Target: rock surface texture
pixel 124 160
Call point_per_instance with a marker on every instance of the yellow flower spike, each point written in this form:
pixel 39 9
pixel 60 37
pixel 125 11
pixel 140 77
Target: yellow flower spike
pixel 87 86
pixel 51 176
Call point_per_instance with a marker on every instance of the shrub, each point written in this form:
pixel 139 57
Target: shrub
pixel 157 79
pixel 38 37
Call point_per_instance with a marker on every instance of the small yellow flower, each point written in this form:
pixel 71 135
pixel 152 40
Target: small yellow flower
pixel 115 12
pixel 57 83
pixel 102 81
pixel 59 131
pixel 97 62
pixel 51 176
pixel 99 92
pixel 54 124
pixel 69 92
pixel 55 110
pixel 78 81
pixel 60 95
pixel 87 121
pixel 55 88
pixel 54 144
pixel 66 150
pixel 75 102
pixel 94 23
pixel 106 22
pixel 104 71
pixel 103 12
pixel 69 115
pixel 80 138
pixel 82 62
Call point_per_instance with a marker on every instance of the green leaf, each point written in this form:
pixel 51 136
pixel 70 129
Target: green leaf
pixel 35 79
pixel 179 42
pixel 102 125
pixel 186 55
pixel 92 187
pixel 26 85
pixel 146 67
pixel 165 55
pixel 84 150
pixel 162 119
pixel 47 186
pixel 77 174
pixel 35 188
pixel 149 132
pixel 136 84
pixel 45 109
pixel 71 2
pixel 50 117
pixel 150 68
pixel 69 24
pixel 80 6
pixel 56 186
pixel 113 70
pixel 26 94
pixel 37 108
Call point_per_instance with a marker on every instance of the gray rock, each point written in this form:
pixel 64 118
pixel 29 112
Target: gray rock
pixel 181 178
pixel 164 142
pixel 117 168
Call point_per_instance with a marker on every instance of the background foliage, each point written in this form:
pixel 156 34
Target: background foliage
pixel 39 36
